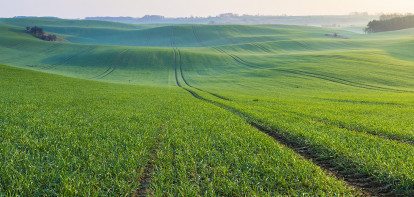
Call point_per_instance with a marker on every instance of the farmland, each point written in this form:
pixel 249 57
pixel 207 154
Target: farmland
pixel 229 110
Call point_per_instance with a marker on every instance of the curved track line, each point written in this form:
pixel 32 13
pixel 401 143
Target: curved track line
pixel 315 75
pixel 15 44
pixel 224 36
pixel 147 170
pixel 341 125
pixel 338 80
pixel 147 41
pixel 48 49
pixel 266 50
pixel 185 81
pixel 175 68
pixel 197 37
pixel 366 184
pixel 68 58
pixel 113 65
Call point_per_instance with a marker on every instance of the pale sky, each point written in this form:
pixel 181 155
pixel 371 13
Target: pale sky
pixel 184 8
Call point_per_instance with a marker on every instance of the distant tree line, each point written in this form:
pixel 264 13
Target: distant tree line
pixel 390 22
pixel 38 32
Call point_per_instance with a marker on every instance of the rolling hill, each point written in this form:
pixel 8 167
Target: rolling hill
pixel 205 110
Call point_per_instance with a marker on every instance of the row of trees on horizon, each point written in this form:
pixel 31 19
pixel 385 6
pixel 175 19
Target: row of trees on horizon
pixel 390 22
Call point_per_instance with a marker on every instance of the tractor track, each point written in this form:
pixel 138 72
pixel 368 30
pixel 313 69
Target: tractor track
pixel 48 49
pixel 15 44
pixel 364 184
pixel 197 37
pixel 67 59
pixel 172 37
pixel 146 172
pixel 178 61
pixel 302 45
pixel 350 128
pixel 147 41
pixel 181 68
pixel 234 57
pixel 347 127
pixel 113 66
pixel 146 179
pixel 224 36
pixel 311 74
pixel 257 45
pixel 185 81
pixel 338 80
pixel 342 58
pixel 175 68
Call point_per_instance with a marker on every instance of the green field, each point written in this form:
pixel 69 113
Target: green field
pixel 204 110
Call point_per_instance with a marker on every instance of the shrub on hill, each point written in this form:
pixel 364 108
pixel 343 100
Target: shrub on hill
pixel 38 32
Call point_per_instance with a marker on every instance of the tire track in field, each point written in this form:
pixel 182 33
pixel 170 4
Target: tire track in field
pixel 175 56
pixel 312 74
pixel 309 74
pixel 342 125
pixel 235 58
pixel 175 67
pixel 224 36
pixel 112 67
pixel 365 184
pixel 48 49
pixel 185 81
pixel 147 41
pixel 257 45
pixel 229 40
pixel 67 59
pixel 338 80
pixel 147 170
pixel 15 44
pixel 364 130
pixel 197 37
pixel 172 37
pixel 302 45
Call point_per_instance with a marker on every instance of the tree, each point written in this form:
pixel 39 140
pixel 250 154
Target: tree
pixel 38 32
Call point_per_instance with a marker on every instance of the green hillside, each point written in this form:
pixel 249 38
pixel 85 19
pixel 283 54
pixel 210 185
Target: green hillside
pixel 228 110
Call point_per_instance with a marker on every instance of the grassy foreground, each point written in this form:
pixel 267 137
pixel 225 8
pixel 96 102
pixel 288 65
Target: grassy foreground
pixel 65 136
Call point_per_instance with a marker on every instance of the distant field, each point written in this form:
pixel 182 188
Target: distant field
pixel 233 110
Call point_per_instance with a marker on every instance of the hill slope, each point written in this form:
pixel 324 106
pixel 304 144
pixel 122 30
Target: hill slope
pixel 344 105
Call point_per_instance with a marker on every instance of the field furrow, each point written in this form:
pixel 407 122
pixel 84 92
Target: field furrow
pixel 113 66
pixel 67 59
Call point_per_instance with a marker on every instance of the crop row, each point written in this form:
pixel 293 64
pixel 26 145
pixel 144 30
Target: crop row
pixel 388 163
pixel 67 59
pixel 112 67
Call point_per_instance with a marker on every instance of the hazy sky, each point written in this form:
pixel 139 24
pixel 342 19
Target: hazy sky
pixel 180 8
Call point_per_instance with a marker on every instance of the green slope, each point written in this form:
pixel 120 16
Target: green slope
pixel 349 101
